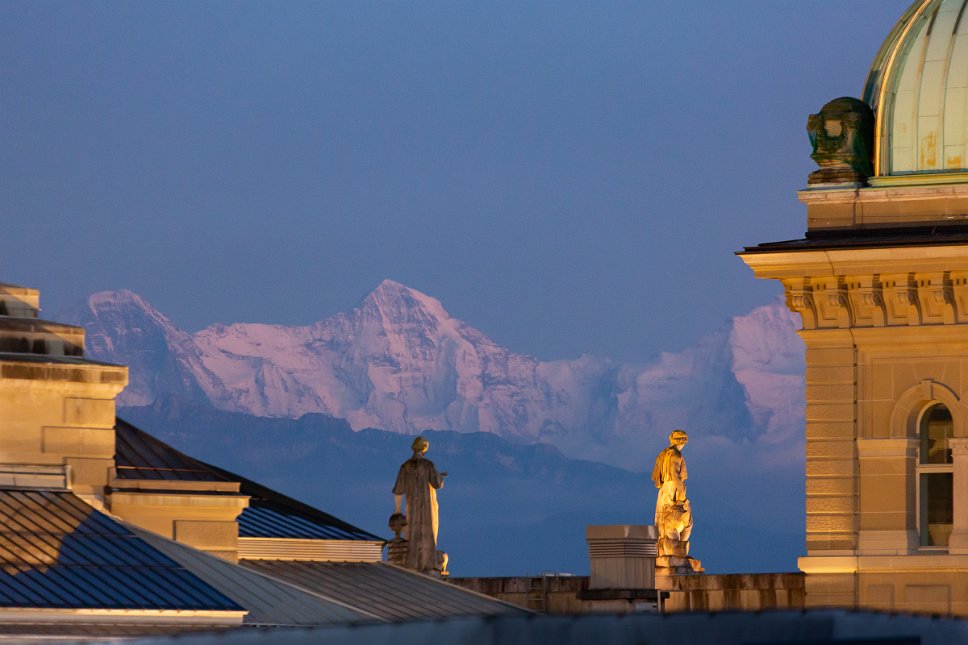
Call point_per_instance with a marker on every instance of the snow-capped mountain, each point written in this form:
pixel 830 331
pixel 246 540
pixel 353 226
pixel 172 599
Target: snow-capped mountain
pixel 400 362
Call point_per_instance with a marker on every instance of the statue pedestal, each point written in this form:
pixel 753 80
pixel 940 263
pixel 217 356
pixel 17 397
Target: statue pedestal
pixel 671 565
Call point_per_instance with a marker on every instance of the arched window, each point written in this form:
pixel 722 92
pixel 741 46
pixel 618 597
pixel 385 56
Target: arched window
pixel 935 478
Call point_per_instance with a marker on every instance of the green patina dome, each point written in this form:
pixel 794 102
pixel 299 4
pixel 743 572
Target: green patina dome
pixel 918 88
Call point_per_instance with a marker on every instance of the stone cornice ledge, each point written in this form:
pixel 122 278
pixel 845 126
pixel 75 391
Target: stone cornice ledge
pixel 882 193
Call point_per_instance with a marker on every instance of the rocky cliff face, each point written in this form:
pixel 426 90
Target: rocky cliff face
pixel 400 362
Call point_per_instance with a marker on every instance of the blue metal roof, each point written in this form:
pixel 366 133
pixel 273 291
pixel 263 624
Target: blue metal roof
pixel 56 552
pixel 390 592
pixel 263 518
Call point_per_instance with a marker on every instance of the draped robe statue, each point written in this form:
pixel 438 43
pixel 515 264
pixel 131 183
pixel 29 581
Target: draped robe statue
pixel 673 515
pixel 418 481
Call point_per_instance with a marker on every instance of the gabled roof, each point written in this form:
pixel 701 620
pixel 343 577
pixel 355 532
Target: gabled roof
pixel 270 514
pixel 56 552
pixel 385 590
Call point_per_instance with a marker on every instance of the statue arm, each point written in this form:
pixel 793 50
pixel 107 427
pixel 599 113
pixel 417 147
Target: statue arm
pixel 436 479
pixel 399 489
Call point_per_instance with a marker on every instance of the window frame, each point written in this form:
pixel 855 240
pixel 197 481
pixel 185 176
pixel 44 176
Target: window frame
pixel 926 469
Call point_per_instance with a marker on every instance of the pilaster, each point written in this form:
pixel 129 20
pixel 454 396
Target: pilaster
pixel 887 501
pixel 831 458
pixel 958 542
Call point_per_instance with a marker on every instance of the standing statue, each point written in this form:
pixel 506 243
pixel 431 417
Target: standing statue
pixel 419 480
pixel 673 514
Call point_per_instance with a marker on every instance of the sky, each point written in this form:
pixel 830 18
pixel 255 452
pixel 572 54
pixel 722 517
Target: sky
pixel 568 177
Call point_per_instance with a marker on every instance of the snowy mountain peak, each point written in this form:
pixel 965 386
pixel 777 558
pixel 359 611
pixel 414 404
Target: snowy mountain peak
pixel 400 362
pixel 400 304
pixel 122 298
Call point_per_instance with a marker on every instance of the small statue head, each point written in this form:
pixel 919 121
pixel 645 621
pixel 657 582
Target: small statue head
pixel 678 438
pixel 420 446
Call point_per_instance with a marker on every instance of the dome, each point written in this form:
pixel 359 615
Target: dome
pixel 918 88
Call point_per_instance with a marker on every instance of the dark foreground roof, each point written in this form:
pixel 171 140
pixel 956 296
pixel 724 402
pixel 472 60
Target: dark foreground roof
pixel 56 552
pixel 382 589
pixel 270 514
pixel 862 238
pixel 61 632
pixel 823 626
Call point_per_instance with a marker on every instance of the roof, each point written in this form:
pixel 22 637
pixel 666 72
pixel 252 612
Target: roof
pixel 269 601
pixel 99 632
pixel 141 456
pixel 270 513
pixel 723 628
pixel 859 238
pixel 268 518
pixel 385 590
pixel 916 86
pixel 56 552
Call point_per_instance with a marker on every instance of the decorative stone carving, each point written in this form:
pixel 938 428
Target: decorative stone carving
pixel 885 300
pixel 799 298
pixel 935 298
pixel 901 299
pixel 959 294
pixel 830 298
pixel 418 481
pixel 866 301
pixel 842 136
pixel 673 513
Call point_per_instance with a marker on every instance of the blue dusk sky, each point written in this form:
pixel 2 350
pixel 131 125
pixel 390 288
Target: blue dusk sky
pixel 567 177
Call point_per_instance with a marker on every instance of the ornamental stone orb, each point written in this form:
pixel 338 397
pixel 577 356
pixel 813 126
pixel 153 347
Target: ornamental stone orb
pixel 842 136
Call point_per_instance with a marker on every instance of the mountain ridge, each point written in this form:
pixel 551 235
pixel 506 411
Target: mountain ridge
pixel 400 362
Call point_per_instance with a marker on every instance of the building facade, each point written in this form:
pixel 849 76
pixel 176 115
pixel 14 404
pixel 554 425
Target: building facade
pixel 881 283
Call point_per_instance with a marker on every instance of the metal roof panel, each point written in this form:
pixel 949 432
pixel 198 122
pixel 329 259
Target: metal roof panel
pixel 388 591
pixel 58 552
pixel 270 601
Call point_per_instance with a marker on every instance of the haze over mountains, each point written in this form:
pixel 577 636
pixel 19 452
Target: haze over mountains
pixel 400 362
pixel 506 508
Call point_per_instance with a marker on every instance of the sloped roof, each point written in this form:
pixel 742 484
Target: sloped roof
pixel 270 602
pixel 56 552
pixel 270 513
pixel 382 589
pixel 141 456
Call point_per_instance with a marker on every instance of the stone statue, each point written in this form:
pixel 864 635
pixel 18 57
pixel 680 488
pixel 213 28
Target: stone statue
pixel 418 480
pixel 842 135
pixel 673 513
